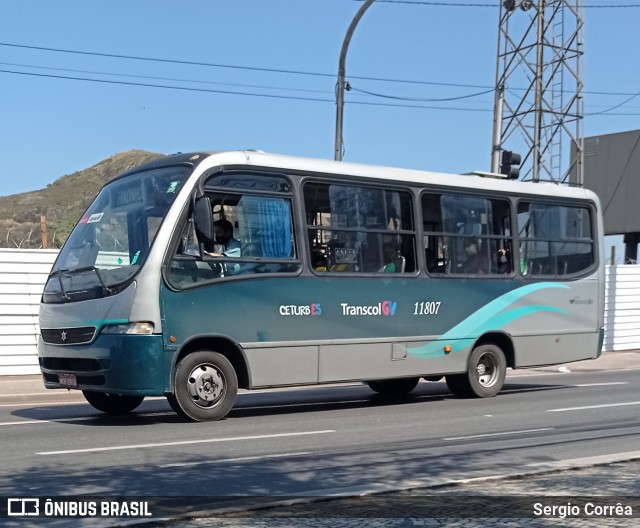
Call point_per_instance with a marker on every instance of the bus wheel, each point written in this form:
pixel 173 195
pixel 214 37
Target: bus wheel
pixel 485 377
pixel 112 403
pixel 206 386
pixel 394 386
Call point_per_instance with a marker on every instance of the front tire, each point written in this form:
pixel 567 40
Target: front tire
pixel 112 403
pixel 205 387
pixel 485 376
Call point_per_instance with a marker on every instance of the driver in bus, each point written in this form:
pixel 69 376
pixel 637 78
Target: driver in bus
pixel 226 245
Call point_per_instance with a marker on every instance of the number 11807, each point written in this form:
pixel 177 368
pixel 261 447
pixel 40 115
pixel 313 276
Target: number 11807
pixel 426 308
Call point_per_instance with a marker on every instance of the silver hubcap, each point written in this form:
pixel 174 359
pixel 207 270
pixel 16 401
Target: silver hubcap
pixel 206 385
pixel 487 370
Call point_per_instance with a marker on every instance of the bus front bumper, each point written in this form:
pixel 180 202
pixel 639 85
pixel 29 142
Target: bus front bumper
pixel 130 365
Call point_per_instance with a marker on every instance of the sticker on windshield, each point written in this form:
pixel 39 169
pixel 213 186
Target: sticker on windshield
pixel 95 218
pixel 173 186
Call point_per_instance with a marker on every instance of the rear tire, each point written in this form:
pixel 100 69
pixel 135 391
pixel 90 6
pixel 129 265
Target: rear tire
pixel 393 386
pixel 205 387
pixel 112 403
pixel 485 377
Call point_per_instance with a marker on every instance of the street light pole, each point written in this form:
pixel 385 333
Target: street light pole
pixel 340 87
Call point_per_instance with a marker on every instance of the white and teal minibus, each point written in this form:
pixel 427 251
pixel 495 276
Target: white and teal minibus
pixel 340 272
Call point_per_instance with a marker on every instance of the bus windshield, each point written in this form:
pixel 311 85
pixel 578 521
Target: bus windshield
pixel 111 241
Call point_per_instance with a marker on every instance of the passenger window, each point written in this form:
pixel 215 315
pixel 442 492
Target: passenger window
pixel 357 229
pixel 466 234
pixel 555 240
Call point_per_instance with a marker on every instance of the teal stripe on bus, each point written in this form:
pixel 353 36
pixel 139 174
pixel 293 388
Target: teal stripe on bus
pixel 492 316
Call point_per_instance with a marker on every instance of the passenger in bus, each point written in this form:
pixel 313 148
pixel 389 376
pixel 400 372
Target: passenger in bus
pixel 392 260
pixel 475 263
pixel 431 260
pixel 504 261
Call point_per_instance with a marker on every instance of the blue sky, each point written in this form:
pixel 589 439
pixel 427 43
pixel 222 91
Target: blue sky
pixel 52 126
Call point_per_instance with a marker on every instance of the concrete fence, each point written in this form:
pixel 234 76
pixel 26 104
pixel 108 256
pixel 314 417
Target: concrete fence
pixel 24 272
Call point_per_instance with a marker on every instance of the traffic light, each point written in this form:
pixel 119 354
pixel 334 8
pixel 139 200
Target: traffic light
pixel 509 164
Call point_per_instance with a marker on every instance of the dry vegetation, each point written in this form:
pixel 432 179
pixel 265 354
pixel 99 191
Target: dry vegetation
pixel 62 203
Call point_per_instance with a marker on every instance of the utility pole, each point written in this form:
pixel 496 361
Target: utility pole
pixel 497 129
pixel 539 105
pixel 342 84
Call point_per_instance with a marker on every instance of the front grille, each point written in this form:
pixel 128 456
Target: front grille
pixel 68 336
pixel 72 364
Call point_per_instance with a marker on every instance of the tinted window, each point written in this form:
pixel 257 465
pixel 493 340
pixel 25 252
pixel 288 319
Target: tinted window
pixel 466 234
pixel 554 239
pixel 358 229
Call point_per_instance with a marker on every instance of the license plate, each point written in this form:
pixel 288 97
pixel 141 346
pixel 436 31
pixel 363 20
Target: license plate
pixel 68 380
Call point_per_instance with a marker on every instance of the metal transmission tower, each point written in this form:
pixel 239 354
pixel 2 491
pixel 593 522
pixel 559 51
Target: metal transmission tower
pixel 539 105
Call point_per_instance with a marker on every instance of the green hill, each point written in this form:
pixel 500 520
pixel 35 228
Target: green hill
pixel 62 203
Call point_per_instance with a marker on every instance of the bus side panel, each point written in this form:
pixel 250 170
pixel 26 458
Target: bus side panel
pixel 284 365
pixel 564 327
pixel 318 329
pixel 541 350
pixel 382 360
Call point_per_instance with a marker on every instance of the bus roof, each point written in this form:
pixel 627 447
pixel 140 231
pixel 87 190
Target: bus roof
pixel 261 159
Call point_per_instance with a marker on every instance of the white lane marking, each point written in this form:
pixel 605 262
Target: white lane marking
pixel 26 422
pixel 185 442
pixel 506 433
pixel 43 404
pixel 588 407
pixel 238 459
pixel 602 384
pixel 51 403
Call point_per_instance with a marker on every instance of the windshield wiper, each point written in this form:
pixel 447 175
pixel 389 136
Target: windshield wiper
pixel 105 289
pixel 58 273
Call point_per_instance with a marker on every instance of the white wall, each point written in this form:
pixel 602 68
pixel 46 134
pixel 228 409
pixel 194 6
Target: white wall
pixel 622 308
pixel 23 274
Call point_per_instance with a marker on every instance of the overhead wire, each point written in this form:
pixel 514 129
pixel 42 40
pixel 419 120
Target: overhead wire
pixel 219 65
pixel 228 92
pixel 234 66
pixel 430 3
pixel 157 78
pixel 283 71
pixel 149 85
pixel 253 68
pixel 608 111
pixel 443 99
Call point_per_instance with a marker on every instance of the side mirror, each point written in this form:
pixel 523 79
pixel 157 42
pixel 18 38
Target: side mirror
pixel 203 220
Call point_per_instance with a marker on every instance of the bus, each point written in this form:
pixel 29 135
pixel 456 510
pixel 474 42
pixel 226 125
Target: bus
pixel 340 272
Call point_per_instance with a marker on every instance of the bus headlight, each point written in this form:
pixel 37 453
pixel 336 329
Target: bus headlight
pixel 131 328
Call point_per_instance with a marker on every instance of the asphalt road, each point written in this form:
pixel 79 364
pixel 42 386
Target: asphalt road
pixel 322 441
